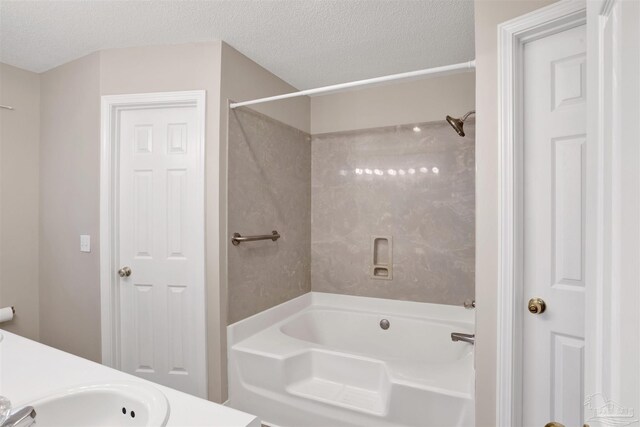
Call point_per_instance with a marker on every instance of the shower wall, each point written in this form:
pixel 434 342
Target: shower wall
pixel 269 188
pixel 412 182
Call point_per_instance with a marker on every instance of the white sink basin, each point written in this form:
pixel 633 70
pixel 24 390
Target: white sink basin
pixel 103 405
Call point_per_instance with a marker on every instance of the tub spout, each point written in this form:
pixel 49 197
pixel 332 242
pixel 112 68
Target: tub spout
pixel 459 336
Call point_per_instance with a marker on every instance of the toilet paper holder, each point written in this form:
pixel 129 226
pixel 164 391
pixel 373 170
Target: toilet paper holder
pixel 6 317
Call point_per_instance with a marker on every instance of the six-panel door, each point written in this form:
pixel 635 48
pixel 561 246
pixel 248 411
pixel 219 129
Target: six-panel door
pixel 161 239
pixel 554 227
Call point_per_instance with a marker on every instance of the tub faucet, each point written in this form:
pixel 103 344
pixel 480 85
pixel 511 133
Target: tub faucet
pixel 23 417
pixel 459 336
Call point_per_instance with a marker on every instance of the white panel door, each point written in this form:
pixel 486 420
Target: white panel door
pixel 161 240
pixel 554 227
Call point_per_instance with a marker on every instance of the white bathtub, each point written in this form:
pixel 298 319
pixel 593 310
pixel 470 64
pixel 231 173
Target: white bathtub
pixel 322 360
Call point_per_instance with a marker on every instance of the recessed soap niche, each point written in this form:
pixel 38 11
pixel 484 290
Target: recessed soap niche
pixel 382 257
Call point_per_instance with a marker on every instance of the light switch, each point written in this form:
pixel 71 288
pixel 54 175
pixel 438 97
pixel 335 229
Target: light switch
pixel 85 243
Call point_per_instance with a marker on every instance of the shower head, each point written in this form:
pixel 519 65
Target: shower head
pixel 458 123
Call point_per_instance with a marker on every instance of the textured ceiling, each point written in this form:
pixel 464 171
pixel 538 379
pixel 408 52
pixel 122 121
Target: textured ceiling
pixel 308 43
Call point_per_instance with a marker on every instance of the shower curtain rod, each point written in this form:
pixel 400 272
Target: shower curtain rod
pixel 446 69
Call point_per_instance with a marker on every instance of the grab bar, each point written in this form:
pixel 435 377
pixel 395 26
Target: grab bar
pixel 237 238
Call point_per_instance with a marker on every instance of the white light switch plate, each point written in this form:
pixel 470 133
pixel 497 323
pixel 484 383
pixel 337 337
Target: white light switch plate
pixel 85 243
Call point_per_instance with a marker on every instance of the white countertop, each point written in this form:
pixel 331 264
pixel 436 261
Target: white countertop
pixel 29 370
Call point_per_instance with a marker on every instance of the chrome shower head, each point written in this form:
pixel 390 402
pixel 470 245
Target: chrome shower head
pixel 458 123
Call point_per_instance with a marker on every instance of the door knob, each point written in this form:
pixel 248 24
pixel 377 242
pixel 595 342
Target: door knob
pixel 124 272
pixel 537 306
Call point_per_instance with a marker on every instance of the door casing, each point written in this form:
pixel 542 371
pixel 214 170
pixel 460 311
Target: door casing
pixel 613 322
pixel 111 105
pixel 512 37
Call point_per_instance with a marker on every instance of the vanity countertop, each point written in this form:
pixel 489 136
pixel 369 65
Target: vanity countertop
pixel 30 370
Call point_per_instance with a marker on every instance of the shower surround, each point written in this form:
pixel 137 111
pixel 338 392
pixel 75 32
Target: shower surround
pixel 269 188
pixel 328 195
pixel 415 183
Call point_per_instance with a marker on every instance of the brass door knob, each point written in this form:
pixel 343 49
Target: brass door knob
pixel 124 272
pixel 537 306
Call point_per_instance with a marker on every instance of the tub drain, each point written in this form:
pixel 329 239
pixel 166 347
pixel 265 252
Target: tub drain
pixel 384 324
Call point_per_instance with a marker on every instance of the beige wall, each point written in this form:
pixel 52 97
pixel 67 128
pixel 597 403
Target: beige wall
pixel 19 142
pixel 69 205
pixel 243 80
pixel 415 101
pixel 162 69
pixel 488 14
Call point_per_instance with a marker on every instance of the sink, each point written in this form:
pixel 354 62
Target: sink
pixel 102 405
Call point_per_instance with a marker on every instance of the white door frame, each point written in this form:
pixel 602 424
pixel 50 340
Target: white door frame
pixel 611 357
pixel 111 107
pixel 512 36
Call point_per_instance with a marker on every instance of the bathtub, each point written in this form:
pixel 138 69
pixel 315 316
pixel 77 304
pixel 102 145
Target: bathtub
pixel 323 360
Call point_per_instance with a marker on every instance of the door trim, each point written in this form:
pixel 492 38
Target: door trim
pixel 111 106
pixel 512 36
pixel 611 358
